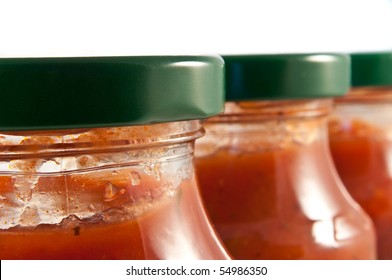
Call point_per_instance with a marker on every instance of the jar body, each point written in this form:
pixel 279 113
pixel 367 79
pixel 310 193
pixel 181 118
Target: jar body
pixel 270 188
pixel 107 193
pixel 360 133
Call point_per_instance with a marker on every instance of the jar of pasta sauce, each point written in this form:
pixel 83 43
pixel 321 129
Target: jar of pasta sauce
pixel 360 131
pixel 96 157
pixel 264 166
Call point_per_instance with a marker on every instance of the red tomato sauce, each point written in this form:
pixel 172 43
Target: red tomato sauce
pixel 281 202
pixel 362 155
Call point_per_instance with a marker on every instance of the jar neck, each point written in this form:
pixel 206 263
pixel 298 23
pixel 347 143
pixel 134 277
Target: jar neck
pixel 130 168
pixel 258 126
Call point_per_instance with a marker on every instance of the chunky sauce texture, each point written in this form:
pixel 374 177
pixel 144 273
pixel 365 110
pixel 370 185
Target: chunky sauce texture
pixel 105 193
pixel 171 227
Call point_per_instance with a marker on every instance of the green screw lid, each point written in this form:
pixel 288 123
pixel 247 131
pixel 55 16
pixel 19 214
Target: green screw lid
pixel 371 69
pixel 60 93
pixel 289 76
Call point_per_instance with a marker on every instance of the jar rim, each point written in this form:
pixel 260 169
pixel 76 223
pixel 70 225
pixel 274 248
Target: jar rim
pixel 259 111
pixel 367 95
pixel 95 140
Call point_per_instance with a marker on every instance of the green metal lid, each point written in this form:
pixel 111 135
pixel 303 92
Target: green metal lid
pixel 371 69
pixel 59 93
pixel 289 76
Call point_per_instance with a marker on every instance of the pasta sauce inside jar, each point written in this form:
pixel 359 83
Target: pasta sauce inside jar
pixel 360 134
pixel 96 162
pixel 264 166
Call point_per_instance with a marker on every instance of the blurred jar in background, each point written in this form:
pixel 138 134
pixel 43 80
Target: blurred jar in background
pixel 264 166
pixel 361 141
pixel 96 157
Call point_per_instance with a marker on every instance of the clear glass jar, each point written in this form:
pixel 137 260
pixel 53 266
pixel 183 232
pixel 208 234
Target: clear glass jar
pixel 360 133
pixel 96 157
pixel 270 187
pixel 104 193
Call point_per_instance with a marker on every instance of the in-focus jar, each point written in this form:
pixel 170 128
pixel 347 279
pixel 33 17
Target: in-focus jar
pixel 360 131
pixel 98 164
pixel 264 166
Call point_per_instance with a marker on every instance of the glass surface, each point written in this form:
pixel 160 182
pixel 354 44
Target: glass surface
pixel 106 193
pixel 361 144
pixel 270 187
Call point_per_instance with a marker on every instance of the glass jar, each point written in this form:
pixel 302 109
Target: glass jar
pixel 264 166
pixel 110 177
pixel 360 134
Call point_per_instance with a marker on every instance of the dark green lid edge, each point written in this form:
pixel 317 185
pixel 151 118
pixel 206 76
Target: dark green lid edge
pixel 371 69
pixel 286 76
pixel 83 92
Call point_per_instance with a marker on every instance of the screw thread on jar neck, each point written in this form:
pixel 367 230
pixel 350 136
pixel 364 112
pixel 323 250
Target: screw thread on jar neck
pixel 258 126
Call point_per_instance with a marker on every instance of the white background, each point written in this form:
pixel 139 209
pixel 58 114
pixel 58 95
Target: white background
pixel 80 28
pixel 276 270
pixel 89 28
